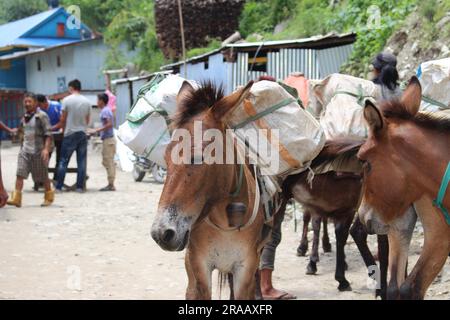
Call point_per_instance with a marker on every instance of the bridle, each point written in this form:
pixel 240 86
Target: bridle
pixel 237 191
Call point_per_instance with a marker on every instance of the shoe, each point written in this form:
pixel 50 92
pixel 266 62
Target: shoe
pixel 79 190
pixel 108 188
pixel 49 197
pixel 16 199
pixel 58 191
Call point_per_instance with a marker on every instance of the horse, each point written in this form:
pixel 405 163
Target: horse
pixel 212 210
pixel 405 157
pixel 335 195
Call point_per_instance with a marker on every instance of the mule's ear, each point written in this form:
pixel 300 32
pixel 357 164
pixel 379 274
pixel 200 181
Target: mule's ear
pixel 185 90
pixel 373 116
pixel 412 96
pixel 228 103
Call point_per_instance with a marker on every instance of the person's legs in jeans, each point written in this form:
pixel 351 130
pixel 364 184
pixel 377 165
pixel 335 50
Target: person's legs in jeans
pixel 58 145
pixel 81 159
pixel 67 148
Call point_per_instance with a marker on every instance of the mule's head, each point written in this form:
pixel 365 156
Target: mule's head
pixel 197 173
pixel 387 171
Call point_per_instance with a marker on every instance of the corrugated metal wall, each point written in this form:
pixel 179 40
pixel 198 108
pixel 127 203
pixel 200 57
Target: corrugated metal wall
pixel 315 64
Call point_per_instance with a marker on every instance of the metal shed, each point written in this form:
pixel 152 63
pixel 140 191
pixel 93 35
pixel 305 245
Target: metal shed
pixel 235 64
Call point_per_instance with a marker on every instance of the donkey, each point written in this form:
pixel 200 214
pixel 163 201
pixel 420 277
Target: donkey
pixel 406 155
pixel 212 209
pixel 335 195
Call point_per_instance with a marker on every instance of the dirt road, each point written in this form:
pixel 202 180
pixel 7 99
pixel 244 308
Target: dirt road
pixel 97 246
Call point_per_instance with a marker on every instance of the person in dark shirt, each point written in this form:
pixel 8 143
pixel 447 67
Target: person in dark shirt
pixel 53 110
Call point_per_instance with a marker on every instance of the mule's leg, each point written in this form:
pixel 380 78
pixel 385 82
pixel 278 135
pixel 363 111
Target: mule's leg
pixel 303 247
pixel 326 245
pixel 199 274
pixel 434 252
pixel 230 283
pixel 359 235
pixel 244 279
pixel 400 234
pixel 190 291
pixel 383 257
pixel 342 230
pixel 314 257
pixel 258 292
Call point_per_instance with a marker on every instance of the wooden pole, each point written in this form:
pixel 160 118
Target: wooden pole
pixel 183 43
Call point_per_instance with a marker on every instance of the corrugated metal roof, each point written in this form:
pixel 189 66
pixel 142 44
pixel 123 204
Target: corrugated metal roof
pixel 326 41
pixel 13 30
pixel 29 52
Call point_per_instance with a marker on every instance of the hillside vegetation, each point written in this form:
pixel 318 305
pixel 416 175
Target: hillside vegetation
pixel 420 29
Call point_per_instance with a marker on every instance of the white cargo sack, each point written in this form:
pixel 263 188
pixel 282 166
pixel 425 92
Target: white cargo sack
pixel 435 80
pixel 146 131
pixel 340 100
pixel 269 106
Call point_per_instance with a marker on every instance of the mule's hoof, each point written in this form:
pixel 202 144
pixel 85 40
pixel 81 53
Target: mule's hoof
pixel 301 250
pixel 326 247
pixel 311 269
pixel 381 293
pixel 344 286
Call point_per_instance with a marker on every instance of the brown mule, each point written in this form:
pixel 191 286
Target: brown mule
pixel 335 195
pixel 405 157
pixel 204 207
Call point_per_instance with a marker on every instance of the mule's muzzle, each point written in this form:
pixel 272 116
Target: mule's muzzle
pixel 171 231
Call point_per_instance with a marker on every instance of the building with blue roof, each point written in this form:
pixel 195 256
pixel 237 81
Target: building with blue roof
pixel 42 53
pixel 42 30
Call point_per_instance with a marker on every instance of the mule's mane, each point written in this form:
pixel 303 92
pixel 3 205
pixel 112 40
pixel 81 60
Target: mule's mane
pixel 196 101
pixel 396 109
pixel 337 147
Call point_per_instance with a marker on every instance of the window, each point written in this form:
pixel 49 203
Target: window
pixel 58 61
pixel 258 63
pixel 206 65
pixel 60 30
pixel 5 64
pixel 39 65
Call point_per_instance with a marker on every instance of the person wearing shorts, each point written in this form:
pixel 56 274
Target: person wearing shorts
pixel 34 153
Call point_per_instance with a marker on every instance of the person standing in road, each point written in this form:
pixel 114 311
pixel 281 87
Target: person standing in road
pixel 75 117
pixel 34 152
pixel 109 141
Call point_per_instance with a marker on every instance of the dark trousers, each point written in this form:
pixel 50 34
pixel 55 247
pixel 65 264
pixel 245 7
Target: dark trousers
pixel 75 142
pixel 58 146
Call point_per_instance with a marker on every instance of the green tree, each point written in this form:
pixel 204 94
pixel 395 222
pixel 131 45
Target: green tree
pixel 11 10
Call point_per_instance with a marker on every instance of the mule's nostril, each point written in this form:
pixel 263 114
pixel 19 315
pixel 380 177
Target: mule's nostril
pixel 168 235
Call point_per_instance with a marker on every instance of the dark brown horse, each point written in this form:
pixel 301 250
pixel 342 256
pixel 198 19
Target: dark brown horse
pixel 405 156
pixel 335 195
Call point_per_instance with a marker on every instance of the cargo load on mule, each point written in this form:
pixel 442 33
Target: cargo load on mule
pixel 434 78
pixel 146 130
pixel 283 127
pixel 338 103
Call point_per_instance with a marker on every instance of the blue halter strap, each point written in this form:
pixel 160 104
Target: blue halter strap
pixel 441 194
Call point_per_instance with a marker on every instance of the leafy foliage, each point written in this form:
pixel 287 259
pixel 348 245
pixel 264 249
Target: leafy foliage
pixel 263 15
pixel 11 10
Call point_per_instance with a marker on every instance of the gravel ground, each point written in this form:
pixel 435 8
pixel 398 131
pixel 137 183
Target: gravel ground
pixel 97 246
